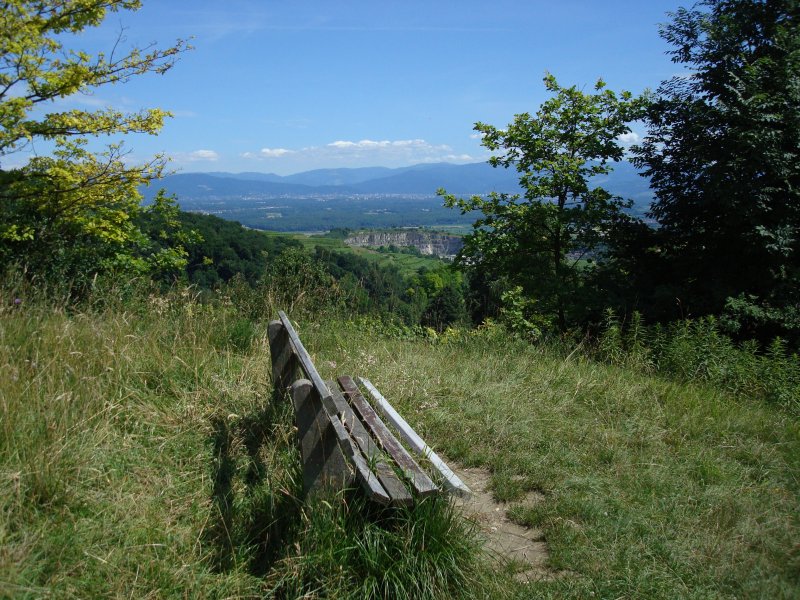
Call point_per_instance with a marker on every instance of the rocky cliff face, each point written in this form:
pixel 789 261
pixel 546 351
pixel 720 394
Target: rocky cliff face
pixel 436 244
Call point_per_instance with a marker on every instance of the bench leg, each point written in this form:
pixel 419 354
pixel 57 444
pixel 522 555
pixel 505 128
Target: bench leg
pixel 324 465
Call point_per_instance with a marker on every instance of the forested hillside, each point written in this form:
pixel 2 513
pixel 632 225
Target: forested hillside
pixel 722 155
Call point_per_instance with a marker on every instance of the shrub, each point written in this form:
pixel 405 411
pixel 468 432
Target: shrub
pixel 698 350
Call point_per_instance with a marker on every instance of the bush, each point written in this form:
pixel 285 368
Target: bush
pixel 698 350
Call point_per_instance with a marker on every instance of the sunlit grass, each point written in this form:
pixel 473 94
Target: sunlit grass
pixel 105 429
pixel 142 454
pixel 653 489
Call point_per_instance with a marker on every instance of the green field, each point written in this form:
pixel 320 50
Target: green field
pixel 407 264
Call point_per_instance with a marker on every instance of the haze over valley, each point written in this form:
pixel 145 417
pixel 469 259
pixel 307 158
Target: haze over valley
pixel 359 198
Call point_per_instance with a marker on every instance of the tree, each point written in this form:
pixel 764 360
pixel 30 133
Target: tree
pixel 723 156
pixel 73 211
pixel 299 282
pixel 544 240
pixel 446 308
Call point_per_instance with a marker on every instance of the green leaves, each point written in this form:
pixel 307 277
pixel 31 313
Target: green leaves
pixel 723 155
pixel 35 68
pixel 538 239
pixel 76 207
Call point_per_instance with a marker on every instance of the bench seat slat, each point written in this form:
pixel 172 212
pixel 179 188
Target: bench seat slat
pixel 454 484
pixel 398 494
pixel 378 478
pixel 369 481
pixel 421 482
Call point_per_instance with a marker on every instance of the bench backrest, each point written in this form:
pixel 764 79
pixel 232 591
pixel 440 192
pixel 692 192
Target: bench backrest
pixel 341 436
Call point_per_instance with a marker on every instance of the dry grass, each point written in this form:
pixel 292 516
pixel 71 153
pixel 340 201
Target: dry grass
pixel 106 429
pixel 142 455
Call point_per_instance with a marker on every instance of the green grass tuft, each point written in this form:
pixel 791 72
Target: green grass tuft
pixel 653 488
pixel 349 548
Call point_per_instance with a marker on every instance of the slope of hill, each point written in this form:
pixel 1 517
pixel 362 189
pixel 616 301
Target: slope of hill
pixel 326 177
pixel 142 455
pixel 474 178
pixel 197 186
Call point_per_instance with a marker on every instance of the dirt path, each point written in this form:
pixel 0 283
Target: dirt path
pixel 523 548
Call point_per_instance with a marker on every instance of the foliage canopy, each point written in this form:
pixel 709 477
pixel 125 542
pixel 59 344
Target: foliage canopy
pixel 71 212
pixel 723 155
pixel 542 240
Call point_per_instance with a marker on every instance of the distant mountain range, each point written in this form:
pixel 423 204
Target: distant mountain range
pixel 423 179
pixel 370 198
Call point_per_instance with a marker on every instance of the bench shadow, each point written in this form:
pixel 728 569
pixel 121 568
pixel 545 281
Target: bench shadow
pixel 256 509
pixel 251 516
pixel 218 531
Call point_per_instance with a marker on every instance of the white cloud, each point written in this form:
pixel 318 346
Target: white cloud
pixel 342 144
pixel 365 152
pixel 416 149
pixel 378 145
pixel 272 152
pixel 630 138
pixel 201 155
pixel 411 143
pixel 459 158
pixel 362 144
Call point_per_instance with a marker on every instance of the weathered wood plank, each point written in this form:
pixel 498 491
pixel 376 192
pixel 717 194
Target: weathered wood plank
pixel 304 359
pixel 419 479
pixel 369 481
pixel 284 363
pixel 453 483
pixel 324 464
pixel 396 489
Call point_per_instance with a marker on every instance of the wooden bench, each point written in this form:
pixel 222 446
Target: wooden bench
pixel 343 439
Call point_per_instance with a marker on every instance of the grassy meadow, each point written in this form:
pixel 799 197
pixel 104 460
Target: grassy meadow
pixel 143 455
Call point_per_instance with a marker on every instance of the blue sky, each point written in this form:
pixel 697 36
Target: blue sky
pixel 277 86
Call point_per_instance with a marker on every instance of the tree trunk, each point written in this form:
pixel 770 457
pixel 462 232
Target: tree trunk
pixel 558 266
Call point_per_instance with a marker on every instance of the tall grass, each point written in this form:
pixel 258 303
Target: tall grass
pixel 104 428
pixel 142 454
pixel 349 548
pixel 698 351
pixel 653 487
